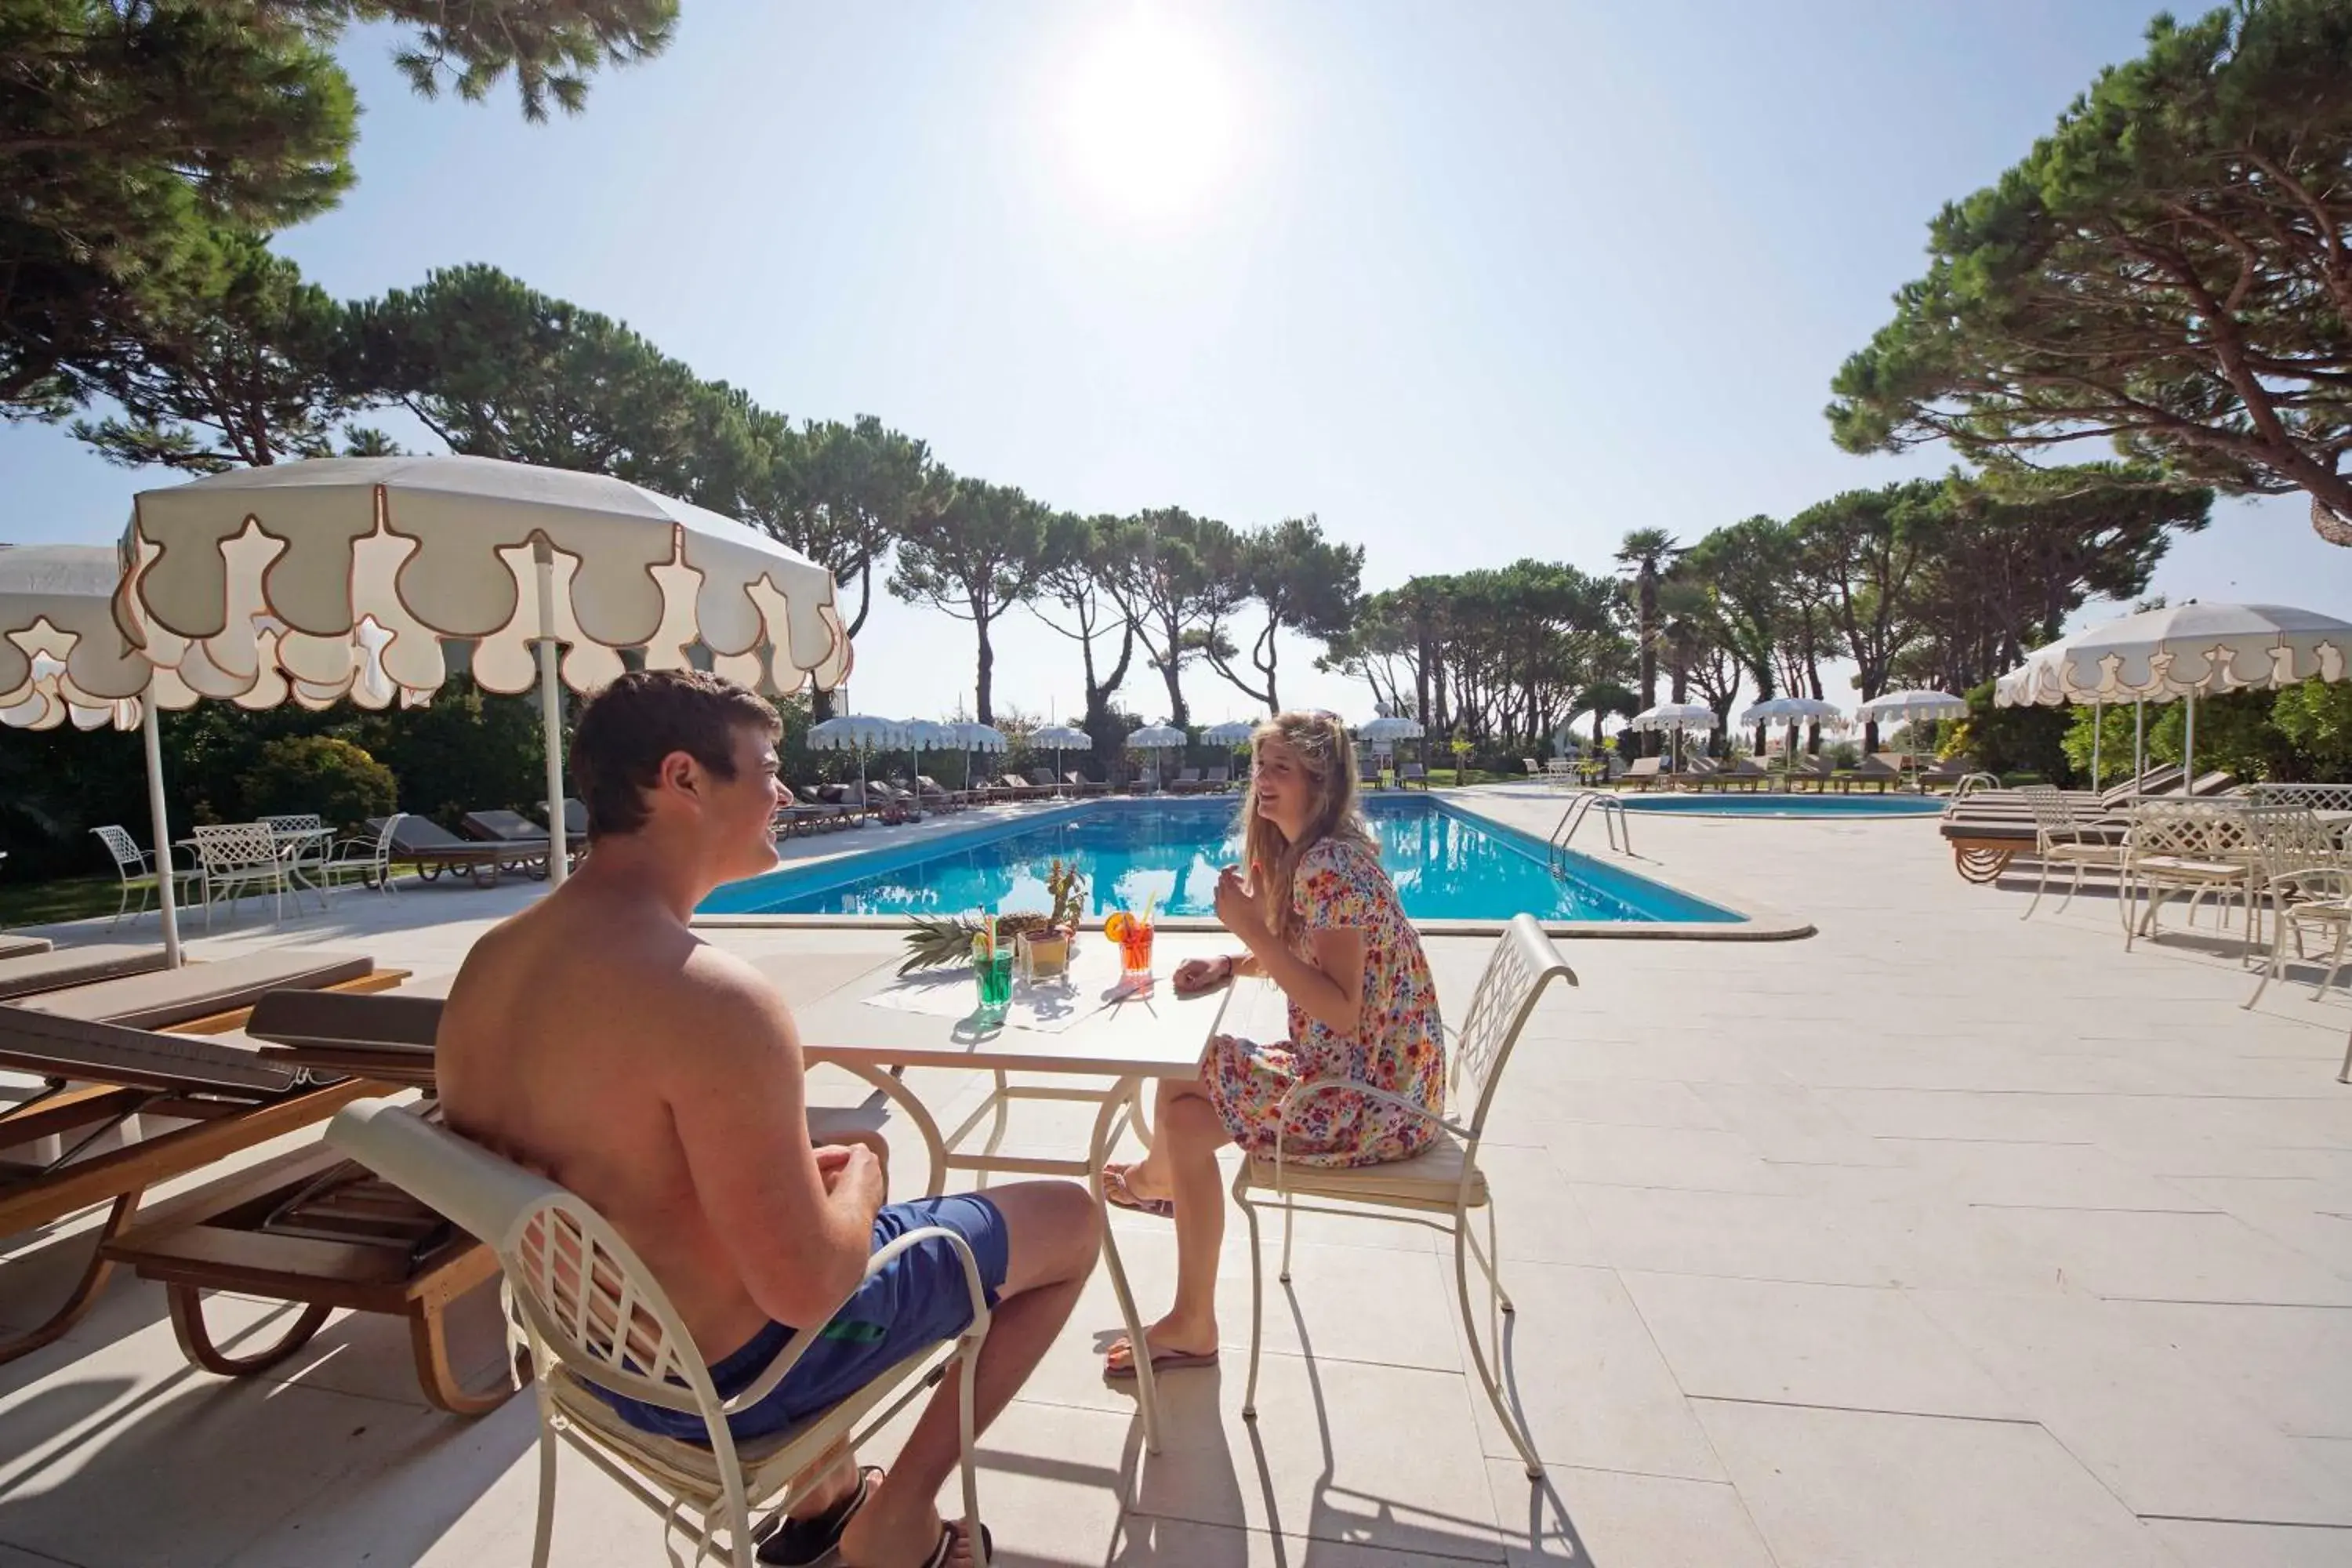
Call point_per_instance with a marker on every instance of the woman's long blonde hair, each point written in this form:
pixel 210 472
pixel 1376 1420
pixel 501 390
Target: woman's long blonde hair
pixel 1321 743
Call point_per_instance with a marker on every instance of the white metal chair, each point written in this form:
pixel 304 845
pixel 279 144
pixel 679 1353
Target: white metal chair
pixel 2307 877
pixel 304 844
pixel 2192 846
pixel 1437 1187
pixel 364 857
pixel 2061 839
pixel 235 856
pixel 137 870
pixel 592 1315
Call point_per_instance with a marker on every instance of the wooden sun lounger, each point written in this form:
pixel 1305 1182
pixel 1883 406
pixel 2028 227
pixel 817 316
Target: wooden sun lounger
pixel 123 1109
pixel 1645 773
pixel 23 946
pixel 428 849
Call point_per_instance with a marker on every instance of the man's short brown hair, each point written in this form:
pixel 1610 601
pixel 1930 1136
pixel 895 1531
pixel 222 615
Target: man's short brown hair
pixel 630 726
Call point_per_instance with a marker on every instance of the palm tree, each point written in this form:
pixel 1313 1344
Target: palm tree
pixel 1646 554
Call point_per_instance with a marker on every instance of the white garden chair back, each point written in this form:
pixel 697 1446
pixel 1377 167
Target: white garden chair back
pixel 234 856
pixel 363 857
pixel 2063 839
pixel 136 870
pixel 2306 878
pixel 590 1315
pixel 1441 1186
pixel 2186 846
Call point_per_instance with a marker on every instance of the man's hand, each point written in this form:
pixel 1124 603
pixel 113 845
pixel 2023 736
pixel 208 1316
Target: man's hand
pixel 851 1168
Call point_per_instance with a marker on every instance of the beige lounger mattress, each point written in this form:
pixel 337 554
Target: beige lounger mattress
pixel 168 996
pixel 75 966
pixel 84 1051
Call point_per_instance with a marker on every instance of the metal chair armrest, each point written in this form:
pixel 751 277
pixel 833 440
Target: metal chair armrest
pixel 794 1348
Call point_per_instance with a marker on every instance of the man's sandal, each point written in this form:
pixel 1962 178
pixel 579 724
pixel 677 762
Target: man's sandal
pixel 805 1542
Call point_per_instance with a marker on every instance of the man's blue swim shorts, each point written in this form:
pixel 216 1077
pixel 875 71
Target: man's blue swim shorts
pixel 918 1298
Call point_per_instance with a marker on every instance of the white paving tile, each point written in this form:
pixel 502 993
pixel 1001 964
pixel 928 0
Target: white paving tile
pixel 1856 1347
pixel 1843 1488
pixel 1610 1518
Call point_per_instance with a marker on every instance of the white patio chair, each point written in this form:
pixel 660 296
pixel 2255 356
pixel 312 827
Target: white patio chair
pixel 592 1315
pixel 137 870
pixel 2062 838
pixel 236 857
pixel 2192 846
pixel 304 844
pixel 2307 876
pixel 1441 1186
pixel 366 858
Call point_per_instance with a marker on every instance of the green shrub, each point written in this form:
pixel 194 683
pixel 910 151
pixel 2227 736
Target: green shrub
pixel 317 772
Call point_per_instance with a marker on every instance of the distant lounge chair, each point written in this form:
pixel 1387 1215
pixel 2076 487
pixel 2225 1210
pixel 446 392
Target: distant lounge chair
pixel 429 849
pixel 1081 785
pixel 1188 781
pixel 1645 773
pixel 124 1109
pixel 1410 773
pixel 1219 779
pixel 1945 770
pixel 1741 772
pixel 1012 786
pixel 938 798
pixel 503 827
pixel 2213 784
pixel 1368 771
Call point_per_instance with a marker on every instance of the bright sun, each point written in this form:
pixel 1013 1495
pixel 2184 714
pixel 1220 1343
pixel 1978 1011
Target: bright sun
pixel 1149 115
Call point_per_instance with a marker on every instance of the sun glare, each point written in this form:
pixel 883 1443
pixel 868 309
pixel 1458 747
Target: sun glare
pixel 1149 115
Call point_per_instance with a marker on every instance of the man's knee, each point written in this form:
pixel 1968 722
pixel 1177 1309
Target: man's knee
pixel 1057 1225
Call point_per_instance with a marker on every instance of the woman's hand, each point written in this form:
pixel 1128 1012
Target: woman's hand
pixel 1196 976
pixel 1237 910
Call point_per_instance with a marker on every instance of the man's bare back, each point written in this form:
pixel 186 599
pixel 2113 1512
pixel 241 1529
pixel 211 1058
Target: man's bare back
pixel 564 1064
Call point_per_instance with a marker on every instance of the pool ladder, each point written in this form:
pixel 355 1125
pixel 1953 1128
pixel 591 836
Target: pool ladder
pixel 1613 818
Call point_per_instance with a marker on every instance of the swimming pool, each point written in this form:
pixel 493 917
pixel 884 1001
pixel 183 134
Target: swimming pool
pixel 1450 865
pixel 1724 804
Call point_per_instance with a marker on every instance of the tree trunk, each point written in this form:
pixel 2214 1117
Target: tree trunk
pixel 981 690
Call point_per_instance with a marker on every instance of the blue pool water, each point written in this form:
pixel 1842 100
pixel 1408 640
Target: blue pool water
pixel 1448 866
pixel 1723 804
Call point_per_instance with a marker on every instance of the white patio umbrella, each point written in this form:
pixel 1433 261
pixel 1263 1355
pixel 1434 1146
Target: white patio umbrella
pixel 63 658
pixel 1792 712
pixel 1910 707
pixel 928 735
pixel 1233 734
pixel 1387 728
pixel 445 547
pixel 1157 738
pixel 1060 738
pixel 1674 718
pixel 861 733
pixel 973 738
pixel 2187 650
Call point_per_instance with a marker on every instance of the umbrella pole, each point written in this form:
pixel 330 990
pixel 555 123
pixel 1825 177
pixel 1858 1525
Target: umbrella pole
pixel 167 909
pixel 2139 743
pixel 2097 715
pixel 2189 745
pixel 550 716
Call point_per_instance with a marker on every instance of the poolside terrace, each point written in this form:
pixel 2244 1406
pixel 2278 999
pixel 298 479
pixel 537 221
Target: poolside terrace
pixel 1937 1237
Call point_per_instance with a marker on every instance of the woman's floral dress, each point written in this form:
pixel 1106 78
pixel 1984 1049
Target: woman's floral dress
pixel 1397 1046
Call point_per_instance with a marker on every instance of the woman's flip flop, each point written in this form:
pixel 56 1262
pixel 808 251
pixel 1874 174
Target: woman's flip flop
pixel 1162 1361
pixel 1120 1196
pixel 946 1548
pixel 804 1542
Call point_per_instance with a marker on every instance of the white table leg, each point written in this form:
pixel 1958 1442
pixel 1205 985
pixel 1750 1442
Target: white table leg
pixel 898 1094
pixel 1123 1092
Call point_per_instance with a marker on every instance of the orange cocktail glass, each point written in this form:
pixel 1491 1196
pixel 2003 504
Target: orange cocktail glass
pixel 1135 947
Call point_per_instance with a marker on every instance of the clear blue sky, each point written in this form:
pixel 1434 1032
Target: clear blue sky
pixel 1470 282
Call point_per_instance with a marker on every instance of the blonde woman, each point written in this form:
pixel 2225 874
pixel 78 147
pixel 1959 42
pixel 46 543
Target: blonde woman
pixel 1320 919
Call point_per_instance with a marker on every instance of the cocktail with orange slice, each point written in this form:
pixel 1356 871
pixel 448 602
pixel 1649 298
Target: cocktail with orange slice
pixel 1133 934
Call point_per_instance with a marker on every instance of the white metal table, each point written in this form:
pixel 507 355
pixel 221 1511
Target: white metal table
pixel 1112 1042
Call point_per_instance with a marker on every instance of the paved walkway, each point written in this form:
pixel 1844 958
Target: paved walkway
pixel 1936 1238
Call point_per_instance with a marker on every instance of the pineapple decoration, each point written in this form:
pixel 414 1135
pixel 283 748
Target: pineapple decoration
pixel 938 939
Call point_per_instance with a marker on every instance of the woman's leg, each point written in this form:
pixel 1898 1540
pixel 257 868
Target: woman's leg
pixel 1182 1166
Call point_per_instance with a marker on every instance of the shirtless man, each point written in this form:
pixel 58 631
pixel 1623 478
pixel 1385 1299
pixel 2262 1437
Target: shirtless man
pixel 597 1038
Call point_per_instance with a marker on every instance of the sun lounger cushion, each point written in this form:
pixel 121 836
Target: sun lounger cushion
pixel 23 946
pixel 504 827
pixel 168 996
pixel 74 966
pixel 83 1050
